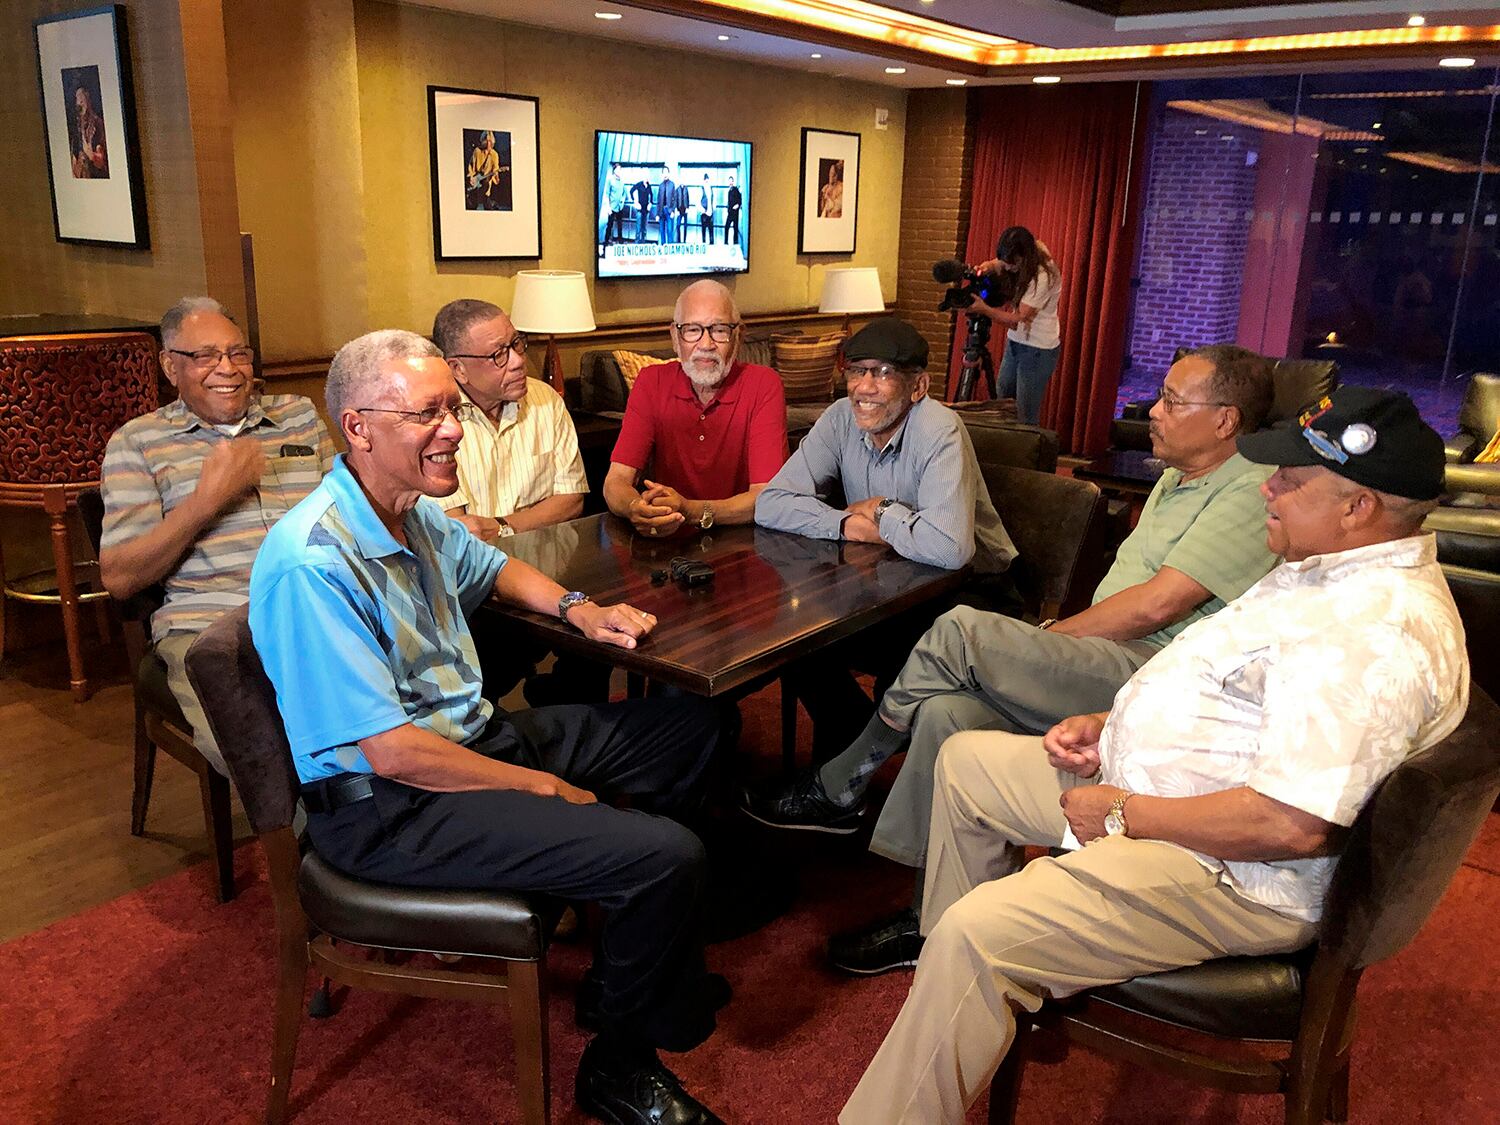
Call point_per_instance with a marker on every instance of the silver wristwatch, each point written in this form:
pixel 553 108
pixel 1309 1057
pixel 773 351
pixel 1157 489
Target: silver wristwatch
pixel 569 600
pixel 880 509
pixel 1114 820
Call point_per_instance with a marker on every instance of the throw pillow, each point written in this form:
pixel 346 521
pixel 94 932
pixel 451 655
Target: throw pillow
pixel 632 363
pixel 1490 454
pixel 805 364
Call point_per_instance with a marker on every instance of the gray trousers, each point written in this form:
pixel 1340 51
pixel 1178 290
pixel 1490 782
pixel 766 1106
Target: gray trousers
pixel 981 671
pixel 173 651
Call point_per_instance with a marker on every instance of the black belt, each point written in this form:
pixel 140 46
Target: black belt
pixel 333 793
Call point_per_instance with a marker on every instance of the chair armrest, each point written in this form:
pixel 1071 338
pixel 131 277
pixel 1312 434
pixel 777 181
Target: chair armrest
pixel 1460 449
pixel 1484 479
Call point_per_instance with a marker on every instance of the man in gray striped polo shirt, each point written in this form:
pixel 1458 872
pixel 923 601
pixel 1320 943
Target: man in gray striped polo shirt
pixel 191 489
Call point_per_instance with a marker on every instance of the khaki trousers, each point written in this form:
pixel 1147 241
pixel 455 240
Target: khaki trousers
pixel 173 651
pixel 1002 937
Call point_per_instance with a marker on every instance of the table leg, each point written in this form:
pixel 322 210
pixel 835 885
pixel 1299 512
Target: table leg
pixel 55 503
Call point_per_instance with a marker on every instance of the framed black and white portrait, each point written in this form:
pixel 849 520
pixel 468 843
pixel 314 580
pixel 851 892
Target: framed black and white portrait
pixel 828 198
pixel 486 184
pixel 88 111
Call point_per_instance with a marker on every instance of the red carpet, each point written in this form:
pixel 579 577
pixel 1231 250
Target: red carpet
pixel 156 1008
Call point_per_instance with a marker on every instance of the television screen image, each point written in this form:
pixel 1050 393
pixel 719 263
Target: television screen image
pixel 671 205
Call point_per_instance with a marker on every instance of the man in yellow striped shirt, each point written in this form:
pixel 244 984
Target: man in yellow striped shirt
pixel 191 489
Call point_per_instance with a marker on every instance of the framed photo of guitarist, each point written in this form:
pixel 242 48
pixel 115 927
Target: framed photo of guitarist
pixel 486 183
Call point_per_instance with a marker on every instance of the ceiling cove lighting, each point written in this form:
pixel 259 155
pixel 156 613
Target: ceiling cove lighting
pixel 909 31
pixel 1440 163
pixel 1258 115
pixel 956 81
pixel 608 16
pixel 1415 21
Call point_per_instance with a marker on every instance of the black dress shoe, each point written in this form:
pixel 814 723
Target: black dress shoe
pixel 892 943
pixel 802 804
pixel 638 1092
pixel 716 993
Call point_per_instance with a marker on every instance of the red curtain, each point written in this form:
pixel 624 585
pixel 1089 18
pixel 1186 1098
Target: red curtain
pixel 1066 162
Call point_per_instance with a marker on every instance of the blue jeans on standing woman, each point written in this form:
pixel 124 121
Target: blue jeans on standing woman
pixel 1024 371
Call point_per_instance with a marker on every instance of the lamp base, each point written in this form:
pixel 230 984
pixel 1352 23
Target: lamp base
pixel 552 368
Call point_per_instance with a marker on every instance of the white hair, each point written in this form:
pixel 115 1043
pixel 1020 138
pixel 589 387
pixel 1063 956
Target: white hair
pixel 355 373
pixel 171 320
pixel 706 286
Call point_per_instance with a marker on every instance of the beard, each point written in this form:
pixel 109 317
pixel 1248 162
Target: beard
pixel 706 371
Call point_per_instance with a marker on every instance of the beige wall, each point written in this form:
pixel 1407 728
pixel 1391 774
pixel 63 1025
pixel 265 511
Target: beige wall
pixel 332 162
pixel 40 274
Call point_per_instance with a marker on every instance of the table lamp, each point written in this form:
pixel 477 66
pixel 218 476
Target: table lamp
pixel 551 302
pixel 851 290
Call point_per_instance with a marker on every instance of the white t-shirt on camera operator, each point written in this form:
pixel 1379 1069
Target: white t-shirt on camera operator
pixel 1044 331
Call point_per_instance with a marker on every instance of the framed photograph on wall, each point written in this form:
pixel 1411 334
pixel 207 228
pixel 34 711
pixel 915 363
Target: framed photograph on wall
pixel 829 195
pixel 486 183
pixel 88 113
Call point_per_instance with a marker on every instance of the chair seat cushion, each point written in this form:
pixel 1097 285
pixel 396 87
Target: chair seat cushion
pixel 483 923
pixel 151 686
pixel 1233 997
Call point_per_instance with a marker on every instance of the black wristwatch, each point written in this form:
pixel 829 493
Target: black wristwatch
pixel 570 600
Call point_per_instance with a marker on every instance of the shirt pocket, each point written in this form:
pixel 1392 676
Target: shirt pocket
pixel 1240 677
pixel 288 480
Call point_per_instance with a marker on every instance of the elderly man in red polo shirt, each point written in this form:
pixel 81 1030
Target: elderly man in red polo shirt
pixel 711 432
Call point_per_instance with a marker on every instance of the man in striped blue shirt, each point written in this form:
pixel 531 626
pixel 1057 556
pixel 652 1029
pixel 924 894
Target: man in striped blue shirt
pixel 358 607
pixel 190 490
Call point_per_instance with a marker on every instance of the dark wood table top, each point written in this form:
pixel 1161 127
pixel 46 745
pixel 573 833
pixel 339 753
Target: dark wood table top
pixel 1129 470
pixel 775 597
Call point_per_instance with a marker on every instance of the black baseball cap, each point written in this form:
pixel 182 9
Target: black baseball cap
pixel 1371 436
pixel 888 338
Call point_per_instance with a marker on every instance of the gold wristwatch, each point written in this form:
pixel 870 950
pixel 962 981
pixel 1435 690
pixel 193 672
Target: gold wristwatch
pixel 1114 820
pixel 706 520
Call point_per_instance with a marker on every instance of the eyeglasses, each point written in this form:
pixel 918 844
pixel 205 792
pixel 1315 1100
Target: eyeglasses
pixel 430 418
pixel 720 332
pixel 1172 402
pixel 206 359
pixel 883 373
pixel 501 355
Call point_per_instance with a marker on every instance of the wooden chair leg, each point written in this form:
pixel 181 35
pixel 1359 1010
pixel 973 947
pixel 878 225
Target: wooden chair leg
pixel 1338 1094
pixel 54 501
pixel 527 988
pixel 1005 1087
pixel 214 787
pixel 788 729
pixel 145 770
pixel 290 982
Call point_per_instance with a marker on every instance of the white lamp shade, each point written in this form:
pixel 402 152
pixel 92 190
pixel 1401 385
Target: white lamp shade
pixel 852 290
pixel 551 301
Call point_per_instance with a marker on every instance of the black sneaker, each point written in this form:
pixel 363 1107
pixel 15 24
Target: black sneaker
pixel 892 943
pixel 643 1092
pixel 802 804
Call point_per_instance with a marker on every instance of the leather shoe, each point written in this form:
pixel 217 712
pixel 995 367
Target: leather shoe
pixel 891 943
pixel 636 1092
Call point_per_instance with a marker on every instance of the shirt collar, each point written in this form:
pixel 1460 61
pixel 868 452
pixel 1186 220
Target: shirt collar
pixel 1412 551
pixel 508 412
pixel 372 538
pixel 893 446
pixel 1233 467
pixel 728 391
pixel 182 420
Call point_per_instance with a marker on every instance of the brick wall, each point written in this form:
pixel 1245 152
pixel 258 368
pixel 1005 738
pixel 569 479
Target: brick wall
pixel 1193 244
pixel 936 185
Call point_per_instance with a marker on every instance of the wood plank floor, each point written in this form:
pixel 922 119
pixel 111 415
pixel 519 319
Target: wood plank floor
pixel 65 778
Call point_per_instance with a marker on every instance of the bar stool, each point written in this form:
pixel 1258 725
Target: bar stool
pixel 61 397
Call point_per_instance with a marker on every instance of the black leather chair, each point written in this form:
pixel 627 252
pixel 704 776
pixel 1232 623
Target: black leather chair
pixel 319 910
pixel 1299 383
pixel 159 722
pixel 1398 859
pixel 1478 418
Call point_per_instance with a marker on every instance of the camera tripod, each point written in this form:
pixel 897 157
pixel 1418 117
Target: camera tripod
pixel 976 360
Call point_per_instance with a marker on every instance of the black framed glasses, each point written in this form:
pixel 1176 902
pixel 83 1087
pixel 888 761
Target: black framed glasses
pixel 501 355
pixel 428 419
pixel 206 359
pixel 1172 402
pixel 720 332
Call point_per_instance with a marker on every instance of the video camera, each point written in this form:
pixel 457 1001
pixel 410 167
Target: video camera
pixel 965 283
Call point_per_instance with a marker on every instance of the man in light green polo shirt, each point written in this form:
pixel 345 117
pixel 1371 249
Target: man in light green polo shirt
pixel 1200 543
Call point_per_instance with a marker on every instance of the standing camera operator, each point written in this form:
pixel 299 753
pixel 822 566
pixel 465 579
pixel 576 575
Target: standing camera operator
pixel 1034 338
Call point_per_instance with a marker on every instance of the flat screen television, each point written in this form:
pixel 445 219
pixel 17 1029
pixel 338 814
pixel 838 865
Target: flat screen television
pixel 668 206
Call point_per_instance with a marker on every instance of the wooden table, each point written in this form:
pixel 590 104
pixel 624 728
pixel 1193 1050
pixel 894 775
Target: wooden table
pixel 775 597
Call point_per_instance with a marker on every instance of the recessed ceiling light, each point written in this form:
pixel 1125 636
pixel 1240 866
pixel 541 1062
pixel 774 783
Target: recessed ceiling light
pixel 608 16
pixel 1376 125
pixel 1360 151
pixel 1046 79
pixel 815 55
pixel 895 70
pixel 1457 62
pixel 957 81
pixel 725 38
pixel 1415 21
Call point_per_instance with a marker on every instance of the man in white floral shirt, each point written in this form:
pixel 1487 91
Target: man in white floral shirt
pixel 1211 800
